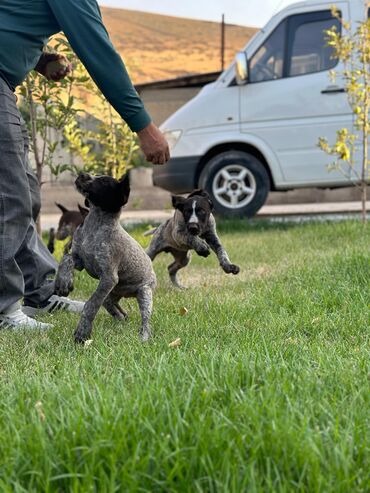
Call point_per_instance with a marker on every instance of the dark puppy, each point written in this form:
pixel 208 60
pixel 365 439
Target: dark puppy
pixel 192 227
pixel 102 247
pixel 68 223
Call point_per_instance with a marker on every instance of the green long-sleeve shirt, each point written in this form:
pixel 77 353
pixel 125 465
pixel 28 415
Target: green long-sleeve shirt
pixel 25 27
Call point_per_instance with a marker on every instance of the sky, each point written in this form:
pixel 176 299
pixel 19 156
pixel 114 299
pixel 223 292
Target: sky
pixel 243 12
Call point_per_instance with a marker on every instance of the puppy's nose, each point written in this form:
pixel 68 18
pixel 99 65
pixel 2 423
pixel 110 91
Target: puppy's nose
pixel 82 181
pixel 83 177
pixel 193 228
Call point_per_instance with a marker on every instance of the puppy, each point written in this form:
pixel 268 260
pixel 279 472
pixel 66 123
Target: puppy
pixel 103 248
pixel 192 227
pixel 68 223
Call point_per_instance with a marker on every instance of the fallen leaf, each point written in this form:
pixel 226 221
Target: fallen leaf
pixel 292 340
pixel 183 311
pixel 40 412
pixel 175 343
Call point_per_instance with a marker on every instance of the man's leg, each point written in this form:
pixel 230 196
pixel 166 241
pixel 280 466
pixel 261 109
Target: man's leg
pixel 38 266
pixel 15 200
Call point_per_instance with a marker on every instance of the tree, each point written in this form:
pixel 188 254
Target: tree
pixel 108 146
pixel 56 112
pixel 352 47
pixel 49 106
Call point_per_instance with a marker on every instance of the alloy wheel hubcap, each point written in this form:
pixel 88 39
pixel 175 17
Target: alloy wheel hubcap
pixel 234 186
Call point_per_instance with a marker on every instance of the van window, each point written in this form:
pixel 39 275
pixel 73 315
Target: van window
pixel 309 52
pixel 267 63
pixel 297 46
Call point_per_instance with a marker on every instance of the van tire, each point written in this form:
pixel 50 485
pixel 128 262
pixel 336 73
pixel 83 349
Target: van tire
pixel 251 190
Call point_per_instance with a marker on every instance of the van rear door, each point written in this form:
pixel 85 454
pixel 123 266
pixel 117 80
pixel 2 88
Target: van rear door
pixel 290 101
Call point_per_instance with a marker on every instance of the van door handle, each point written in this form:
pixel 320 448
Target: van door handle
pixel 333 90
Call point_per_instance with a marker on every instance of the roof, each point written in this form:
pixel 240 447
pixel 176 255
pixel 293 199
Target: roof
pixel 196 80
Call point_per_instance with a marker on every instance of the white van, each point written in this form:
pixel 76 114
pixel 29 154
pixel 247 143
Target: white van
pixel 239 139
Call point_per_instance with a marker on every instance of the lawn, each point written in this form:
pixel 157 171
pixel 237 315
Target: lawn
pixel 268 392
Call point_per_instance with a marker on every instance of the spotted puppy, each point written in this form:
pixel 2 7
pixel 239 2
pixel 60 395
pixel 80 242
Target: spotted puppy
pixel 108 253
pixel 192 227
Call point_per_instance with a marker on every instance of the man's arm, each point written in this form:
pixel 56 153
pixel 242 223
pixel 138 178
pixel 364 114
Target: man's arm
pixel 81 22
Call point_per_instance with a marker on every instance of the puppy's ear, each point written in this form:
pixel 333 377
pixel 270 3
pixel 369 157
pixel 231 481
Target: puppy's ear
pixel 202 193
pixel 83 211
pixel 197 191
pixel 206 196
pixel 178 202
pixel 124 180
pixel 61 207
pixel 124 185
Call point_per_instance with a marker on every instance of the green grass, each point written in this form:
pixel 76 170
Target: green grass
pixel 269 391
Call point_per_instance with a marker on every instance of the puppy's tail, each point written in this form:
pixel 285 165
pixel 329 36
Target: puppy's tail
pixel 150 232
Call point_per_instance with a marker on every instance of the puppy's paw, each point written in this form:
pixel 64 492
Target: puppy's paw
pixel 204 251
pixel 116 311
pixel 119 316
pixel 181 287
pixel 63 286
pixel 79 339
pixel 83 332
pixel 145 335
pixel 231 269
pixel 176 283
pixel 122 312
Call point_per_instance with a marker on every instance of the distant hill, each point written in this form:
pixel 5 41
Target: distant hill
pixel 157 47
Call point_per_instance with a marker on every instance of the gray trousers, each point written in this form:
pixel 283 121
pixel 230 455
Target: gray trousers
pixel 26 266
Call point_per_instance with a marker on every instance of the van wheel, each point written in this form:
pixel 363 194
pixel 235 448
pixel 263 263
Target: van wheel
pixel 237 182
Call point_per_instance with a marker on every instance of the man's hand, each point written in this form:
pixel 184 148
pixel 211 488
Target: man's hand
pixel 53 66
pixel 154 145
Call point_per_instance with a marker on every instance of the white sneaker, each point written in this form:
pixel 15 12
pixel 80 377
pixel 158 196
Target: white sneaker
pixel 55 303
pixel 17 320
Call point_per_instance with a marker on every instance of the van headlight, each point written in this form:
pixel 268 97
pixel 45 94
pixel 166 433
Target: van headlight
pixel 172 137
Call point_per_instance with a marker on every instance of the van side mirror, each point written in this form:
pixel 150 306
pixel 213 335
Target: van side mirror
pixel 241 68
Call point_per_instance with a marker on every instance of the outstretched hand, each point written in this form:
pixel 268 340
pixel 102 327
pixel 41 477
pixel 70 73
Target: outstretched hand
pixel 154 145
pixel 53 66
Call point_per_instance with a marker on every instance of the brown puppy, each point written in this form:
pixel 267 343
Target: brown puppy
pixel 68 223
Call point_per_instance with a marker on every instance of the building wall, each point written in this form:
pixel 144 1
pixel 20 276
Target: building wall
pixel 60 157
pixel 162 103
